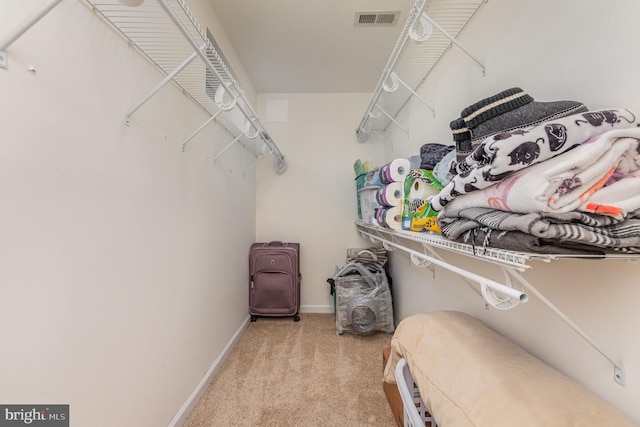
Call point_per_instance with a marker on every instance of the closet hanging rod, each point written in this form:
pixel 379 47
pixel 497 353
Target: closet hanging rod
pixel 482 281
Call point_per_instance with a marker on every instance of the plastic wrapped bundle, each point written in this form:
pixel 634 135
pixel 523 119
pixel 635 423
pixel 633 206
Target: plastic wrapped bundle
pixel 363 301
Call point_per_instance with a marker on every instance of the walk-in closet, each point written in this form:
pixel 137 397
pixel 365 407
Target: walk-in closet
pixel 148 144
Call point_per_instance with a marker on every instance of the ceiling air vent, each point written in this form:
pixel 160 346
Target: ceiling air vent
pixel 377 18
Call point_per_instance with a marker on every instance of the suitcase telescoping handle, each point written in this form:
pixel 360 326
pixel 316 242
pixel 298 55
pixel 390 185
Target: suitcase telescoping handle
pixel 276 243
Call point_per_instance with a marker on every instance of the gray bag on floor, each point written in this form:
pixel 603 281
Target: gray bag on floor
pixel 363 300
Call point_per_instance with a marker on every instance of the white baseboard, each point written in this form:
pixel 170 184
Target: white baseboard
pixel 316 309
pixel 192 400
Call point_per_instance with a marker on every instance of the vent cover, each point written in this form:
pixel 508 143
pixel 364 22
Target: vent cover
pixel 377 18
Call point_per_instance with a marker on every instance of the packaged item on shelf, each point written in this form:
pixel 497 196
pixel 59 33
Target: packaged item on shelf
pixel 365 177
pixel 419 186
pixel 394 171
pixel 368 203
pixel 389 217
pixel 390 194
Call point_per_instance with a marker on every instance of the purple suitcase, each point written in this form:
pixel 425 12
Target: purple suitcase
pixel 274 270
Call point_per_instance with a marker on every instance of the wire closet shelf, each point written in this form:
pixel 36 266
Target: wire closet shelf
pixel 416 52
pixel 167 34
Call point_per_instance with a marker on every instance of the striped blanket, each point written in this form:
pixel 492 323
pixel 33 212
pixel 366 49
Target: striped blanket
pixel 577 230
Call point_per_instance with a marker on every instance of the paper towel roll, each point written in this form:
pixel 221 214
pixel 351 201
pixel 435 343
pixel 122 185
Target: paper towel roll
pixel 389 217
pixel 394 171
pixel 390 194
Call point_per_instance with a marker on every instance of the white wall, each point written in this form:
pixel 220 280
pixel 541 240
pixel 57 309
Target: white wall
pixel 123 260
pixel 575 50
pixel 314 201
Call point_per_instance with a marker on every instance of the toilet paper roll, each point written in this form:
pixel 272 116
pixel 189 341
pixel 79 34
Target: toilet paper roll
pixel 389 217
pixel 390 194
pixel 394 171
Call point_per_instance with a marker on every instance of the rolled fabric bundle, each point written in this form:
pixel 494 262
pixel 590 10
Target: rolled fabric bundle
pixel 358 167
pixel 395 171
pixel 390 194
pixel 389 217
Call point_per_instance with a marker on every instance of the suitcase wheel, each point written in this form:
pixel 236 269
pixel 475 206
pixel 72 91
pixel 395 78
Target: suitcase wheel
pixel 254 318
pixel 296 318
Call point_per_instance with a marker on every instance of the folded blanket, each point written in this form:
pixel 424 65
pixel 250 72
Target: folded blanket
pixel 571 181
pixel 501 155
pixel 432 153
pixel 483 238
pixel 569 228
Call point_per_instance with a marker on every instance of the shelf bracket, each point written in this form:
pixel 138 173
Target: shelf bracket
pixel 619 375
pixel 251 166
pixel 392 119
pixel 212 118
pixel 421 262
pixel 395 82
pixel 426 22
pixel 156 89
pixel 236 139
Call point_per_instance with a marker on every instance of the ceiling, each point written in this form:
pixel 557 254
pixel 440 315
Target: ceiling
pixel 310 46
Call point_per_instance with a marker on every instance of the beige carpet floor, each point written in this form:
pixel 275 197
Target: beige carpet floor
pixel 283 373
